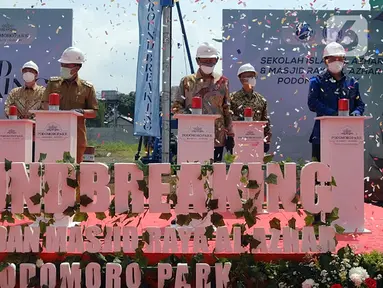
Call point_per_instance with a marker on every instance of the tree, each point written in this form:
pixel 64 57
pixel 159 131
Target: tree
pixel 127 102
pixel 99 120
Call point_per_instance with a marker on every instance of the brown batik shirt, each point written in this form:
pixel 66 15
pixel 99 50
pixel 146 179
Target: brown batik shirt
pixel 25 99
pixel 77 94
pixel 214 92
pixel 241 99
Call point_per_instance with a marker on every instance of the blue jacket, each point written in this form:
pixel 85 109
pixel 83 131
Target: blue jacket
pixel 324 94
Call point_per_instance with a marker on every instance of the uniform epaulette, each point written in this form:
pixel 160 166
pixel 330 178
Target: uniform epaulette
pixel 54 78
pixel 86 83
pixel 261 96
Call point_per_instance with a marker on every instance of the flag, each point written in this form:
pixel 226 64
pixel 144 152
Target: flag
pixel 147 104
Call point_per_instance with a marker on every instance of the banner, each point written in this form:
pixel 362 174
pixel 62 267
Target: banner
pixel 40 35
pixel 286 48
pixel 147 106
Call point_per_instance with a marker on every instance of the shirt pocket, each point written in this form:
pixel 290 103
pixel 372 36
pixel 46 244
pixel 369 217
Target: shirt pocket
pixel 79 98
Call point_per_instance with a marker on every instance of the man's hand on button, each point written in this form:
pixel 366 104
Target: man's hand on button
pixel 355 113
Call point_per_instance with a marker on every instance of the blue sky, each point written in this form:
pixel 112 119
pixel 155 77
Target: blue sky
pixel 107 31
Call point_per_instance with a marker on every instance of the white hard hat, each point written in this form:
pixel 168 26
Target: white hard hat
pixel 207 50
pixel 334 49
pixel 246 68
pixel 31 65
pixel 72 55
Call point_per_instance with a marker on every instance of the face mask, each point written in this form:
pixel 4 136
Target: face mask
pixel 207 69
pixel 29 77
pixel 252 81
pixel 335 67
pixel 65 73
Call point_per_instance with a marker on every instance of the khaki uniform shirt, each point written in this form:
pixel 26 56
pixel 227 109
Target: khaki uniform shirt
pixel 25 99
pixel 214 92
pixel 78 94
pixel 240 100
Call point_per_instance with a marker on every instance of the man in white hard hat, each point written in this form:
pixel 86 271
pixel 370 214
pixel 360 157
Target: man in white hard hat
pixel 213 88
pixel 29 96
pixel 330 86
pixel 75 94
pixel 248 97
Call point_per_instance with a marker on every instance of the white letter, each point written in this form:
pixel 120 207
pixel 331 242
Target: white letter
pixel 93 245
pixel 133 275
pixel 70 278
pixel 27 271
pixel 8 277
pixel 157 188
pixel 95 189
pixel 113 275
pixel 190 189
pixel 60 196
pixel 327 239
pixel 122 173
pixel 23 187
pixel 222 274
pixel 48 275
pixel 202 275
pixel 56 239
pixel 226 187
pixel 93 275
pixel 182 271
pixel 164 273
pixel 285 189
pixel 31 239
pixel 308 188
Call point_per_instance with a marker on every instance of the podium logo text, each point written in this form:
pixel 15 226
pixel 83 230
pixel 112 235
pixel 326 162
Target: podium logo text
pixel 52 131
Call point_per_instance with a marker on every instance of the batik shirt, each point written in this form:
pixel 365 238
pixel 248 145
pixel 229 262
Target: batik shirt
pixel 214 92
pixel 25 99
pixel 240 100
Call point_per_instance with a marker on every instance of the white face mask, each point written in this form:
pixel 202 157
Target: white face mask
pixel 335 67
pixel 65 73
pixel 207 69
pixel 29 77
pixel 252 81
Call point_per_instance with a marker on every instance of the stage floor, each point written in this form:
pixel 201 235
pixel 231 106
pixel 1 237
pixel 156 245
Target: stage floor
pixel 360 243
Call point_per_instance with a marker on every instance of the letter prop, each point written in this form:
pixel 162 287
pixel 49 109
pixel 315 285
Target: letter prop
pixel 91 187
pixel 164 273
pixel 308 188
pixel 126 179
pixel 157 188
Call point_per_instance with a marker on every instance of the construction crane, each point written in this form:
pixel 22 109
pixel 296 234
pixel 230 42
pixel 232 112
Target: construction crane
pixel 164 149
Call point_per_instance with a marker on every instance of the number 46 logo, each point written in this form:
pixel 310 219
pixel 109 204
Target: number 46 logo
pixel 349 30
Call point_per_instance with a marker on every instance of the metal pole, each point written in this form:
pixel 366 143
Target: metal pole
pixel 185 37
pixel 166 81
pixel 114 122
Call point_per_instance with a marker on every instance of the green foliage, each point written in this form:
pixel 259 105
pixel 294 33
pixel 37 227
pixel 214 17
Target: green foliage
pixel 126 106
pixel 100 116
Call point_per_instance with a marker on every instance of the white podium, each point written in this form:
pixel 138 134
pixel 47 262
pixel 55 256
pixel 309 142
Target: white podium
pixel 56 133
pixel 196 134
pixel 342 148
pixel 16 137
pixel 249 141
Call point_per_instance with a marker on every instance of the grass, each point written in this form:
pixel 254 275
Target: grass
pixel 110 152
